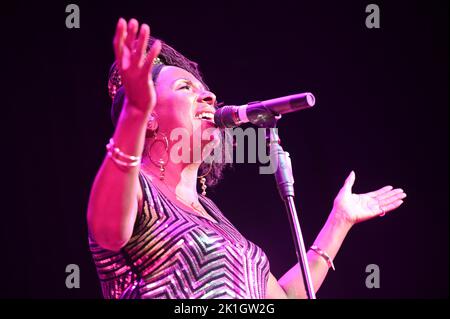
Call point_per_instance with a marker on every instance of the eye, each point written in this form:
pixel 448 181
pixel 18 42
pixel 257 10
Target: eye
pixel 186 86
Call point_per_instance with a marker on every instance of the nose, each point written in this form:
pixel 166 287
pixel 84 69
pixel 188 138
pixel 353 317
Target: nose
pixel 207 97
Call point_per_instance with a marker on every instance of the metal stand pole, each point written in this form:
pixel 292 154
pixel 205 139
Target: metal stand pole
pixel 285 184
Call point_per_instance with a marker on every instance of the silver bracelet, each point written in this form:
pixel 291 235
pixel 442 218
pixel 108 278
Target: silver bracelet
pixel 324 255
pixel 120 158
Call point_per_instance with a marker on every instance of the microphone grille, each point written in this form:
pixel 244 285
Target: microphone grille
pixel 224 116
pixel 310 99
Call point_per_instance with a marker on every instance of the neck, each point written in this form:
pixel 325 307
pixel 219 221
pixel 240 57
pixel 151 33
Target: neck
pixel 179 179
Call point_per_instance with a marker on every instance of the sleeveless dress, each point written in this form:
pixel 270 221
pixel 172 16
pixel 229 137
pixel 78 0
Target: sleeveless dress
pixel 175 254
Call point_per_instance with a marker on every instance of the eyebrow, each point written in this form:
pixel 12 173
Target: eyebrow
pixel 190 82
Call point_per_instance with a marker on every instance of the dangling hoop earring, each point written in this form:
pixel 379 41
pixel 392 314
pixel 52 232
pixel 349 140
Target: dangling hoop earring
pixel 202 179
pixel 161 163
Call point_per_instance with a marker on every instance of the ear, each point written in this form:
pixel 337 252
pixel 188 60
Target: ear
pixel 152 125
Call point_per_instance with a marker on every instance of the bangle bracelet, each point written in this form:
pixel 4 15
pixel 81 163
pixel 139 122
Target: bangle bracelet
pixel 324 255
pixel 117 152
pixel 120 158
pixel 122 163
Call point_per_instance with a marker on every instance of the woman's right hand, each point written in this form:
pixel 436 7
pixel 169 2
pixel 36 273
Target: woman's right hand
pixel 134 65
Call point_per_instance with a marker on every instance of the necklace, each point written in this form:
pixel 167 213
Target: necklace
pixel 198 208
pixel 195 206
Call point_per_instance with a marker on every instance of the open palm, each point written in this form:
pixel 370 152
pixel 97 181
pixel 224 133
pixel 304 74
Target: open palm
pixel 134 64
pixel 360 207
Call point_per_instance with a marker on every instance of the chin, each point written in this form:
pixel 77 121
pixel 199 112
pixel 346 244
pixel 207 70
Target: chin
pixel 208 124
pixel 209 145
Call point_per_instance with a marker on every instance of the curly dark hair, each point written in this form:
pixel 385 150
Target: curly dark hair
pixel 170 56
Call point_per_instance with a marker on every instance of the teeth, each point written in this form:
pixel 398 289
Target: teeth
pixel 204 115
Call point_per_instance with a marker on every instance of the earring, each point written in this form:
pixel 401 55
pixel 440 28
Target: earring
pixel 202 179
pixel 160 138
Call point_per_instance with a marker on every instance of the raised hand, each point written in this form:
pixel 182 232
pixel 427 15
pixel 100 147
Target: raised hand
pixel 134 65
pixel 355 208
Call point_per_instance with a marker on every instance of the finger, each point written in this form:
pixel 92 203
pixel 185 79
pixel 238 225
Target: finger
pixel 392 199
pixel 392 206
pixel 390 194
pixel 131 34
pixel 141 44
pixel 380 191
pixel 350 180
pixel 119 39
pixel 153 53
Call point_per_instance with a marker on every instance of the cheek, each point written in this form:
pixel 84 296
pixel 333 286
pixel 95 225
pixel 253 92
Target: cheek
pixel 174 111
pixel 173 120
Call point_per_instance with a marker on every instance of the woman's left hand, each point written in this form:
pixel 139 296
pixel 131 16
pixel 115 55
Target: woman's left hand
pixel 355 208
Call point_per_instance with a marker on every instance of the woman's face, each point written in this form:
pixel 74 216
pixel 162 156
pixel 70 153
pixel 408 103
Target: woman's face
pixel 184 106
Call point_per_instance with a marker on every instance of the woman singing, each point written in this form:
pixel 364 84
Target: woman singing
pixel 152 235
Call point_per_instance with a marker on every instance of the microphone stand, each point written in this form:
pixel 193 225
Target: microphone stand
pixel 285 184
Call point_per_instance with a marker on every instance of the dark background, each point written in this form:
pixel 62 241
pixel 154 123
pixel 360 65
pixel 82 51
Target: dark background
pixel 382 110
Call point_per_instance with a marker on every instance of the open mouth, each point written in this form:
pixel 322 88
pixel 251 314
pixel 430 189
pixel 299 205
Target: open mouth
pixel 205 116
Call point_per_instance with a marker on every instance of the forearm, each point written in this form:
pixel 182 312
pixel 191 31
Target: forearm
pixel 113 199
pixel 330 240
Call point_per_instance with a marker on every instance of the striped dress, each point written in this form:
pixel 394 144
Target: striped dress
pixel 177 254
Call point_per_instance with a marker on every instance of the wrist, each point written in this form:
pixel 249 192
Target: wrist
pixel 338 218
pixel 133 112
pixel 129 134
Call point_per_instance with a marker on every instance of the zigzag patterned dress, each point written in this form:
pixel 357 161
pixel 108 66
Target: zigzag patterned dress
pixel 177 254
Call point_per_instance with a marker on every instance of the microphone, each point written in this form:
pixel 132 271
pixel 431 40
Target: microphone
pixel 259 112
